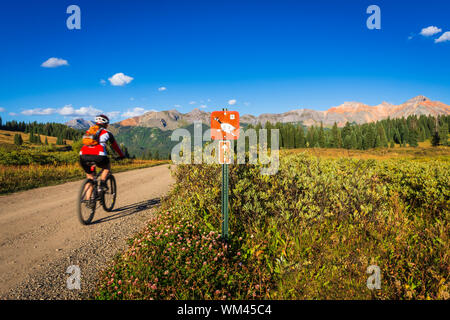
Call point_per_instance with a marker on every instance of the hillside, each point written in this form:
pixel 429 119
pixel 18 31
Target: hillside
pixel 141 140
pixel 7 138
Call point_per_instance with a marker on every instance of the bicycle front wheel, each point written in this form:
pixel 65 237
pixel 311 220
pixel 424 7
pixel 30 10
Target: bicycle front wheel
pixel 109 195
pixel 86 202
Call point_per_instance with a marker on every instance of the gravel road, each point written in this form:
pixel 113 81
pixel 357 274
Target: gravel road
pixel 40 235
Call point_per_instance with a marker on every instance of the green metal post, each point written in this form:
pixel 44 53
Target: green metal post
pixel 225 201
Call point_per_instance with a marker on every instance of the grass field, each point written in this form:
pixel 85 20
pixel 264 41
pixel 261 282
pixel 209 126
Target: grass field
pixel 310 231
pixel 423 151
pixel 7 137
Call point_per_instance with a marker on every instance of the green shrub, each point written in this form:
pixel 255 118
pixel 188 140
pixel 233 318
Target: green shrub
pixel 308 232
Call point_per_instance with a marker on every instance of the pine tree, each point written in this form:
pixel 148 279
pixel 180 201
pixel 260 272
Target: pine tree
pixel 347 142
pixel 321 136
pixel 31 138
pixel 443 134
pixel 336 140
pixel 18 139
pixel 413 138
pixel 435 139
pixel 299 137
pixel 46 141
pixel 353 141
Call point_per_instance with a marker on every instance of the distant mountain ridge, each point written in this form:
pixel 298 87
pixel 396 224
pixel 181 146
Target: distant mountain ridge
pixel 347 112
pixel 80 124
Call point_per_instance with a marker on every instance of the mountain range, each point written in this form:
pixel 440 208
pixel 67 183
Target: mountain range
pixel 356 112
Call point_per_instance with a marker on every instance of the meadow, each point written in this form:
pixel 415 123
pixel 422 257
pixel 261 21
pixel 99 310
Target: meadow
pixel 308 232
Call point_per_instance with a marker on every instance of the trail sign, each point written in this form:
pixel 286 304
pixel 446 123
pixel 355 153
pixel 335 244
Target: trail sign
pixel 225 152
pixel 224 125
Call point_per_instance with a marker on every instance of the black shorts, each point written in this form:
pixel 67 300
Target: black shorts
pixel 87 160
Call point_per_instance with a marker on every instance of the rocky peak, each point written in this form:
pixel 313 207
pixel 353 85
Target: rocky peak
pixel 418 99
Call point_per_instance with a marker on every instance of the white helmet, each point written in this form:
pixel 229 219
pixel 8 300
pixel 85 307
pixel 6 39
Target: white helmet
pixel 101 119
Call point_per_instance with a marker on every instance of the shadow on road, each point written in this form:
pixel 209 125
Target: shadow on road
pixel 129 210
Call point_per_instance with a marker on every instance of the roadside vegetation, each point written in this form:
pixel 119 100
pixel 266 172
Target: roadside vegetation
pixel 308 232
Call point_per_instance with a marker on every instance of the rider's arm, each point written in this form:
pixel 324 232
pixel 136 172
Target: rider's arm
pixel 114 144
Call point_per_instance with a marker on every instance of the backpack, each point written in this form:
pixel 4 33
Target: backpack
pixel 91 138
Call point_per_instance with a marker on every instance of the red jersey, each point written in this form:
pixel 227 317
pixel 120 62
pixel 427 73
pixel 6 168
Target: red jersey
pixel 100 148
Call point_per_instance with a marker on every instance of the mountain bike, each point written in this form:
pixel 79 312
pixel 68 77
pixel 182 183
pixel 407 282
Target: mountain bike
pixel 106 197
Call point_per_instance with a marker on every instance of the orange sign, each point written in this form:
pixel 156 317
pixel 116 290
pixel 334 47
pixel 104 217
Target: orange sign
pixel 224 152
pixel 224 125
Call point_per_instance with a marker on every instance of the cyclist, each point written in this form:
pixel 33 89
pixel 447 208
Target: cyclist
pixel 94 150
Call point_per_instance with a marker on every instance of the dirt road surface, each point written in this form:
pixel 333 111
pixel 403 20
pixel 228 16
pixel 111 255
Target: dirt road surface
pixel 40 235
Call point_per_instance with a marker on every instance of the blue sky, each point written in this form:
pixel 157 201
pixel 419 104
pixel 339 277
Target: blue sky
pixel 268 56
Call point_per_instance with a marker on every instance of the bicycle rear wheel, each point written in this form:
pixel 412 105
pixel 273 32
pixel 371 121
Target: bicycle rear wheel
pixel 86 207
pixel 109 195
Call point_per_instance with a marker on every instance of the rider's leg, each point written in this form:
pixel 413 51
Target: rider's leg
pixel 89 175
pixel 104 175
pixel 89 186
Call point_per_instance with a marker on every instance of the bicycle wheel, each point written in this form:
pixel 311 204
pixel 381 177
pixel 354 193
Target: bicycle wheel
pixel 109 195
pixel 86 207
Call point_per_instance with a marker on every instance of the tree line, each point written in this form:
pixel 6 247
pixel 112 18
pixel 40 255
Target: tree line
pixel 53 129
pixel 35 139
pixel 385 133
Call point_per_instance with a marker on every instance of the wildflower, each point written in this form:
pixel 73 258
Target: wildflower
pixel 166 272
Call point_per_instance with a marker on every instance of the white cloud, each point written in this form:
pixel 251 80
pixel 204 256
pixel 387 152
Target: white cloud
pixel 132 99
pixel 192 102
pixel 38 112
pixel 231 102
pixel 2 109
pixel 69 111
pixel 247 103
pixel 12 114
pixel 138 111
pixel 429 31
pixel 103 82
pixel 444 37
pixel 162 89
pixel 54 62
pixel 203 106
pixel 113 114
pixel 177 106
pixel 119 79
